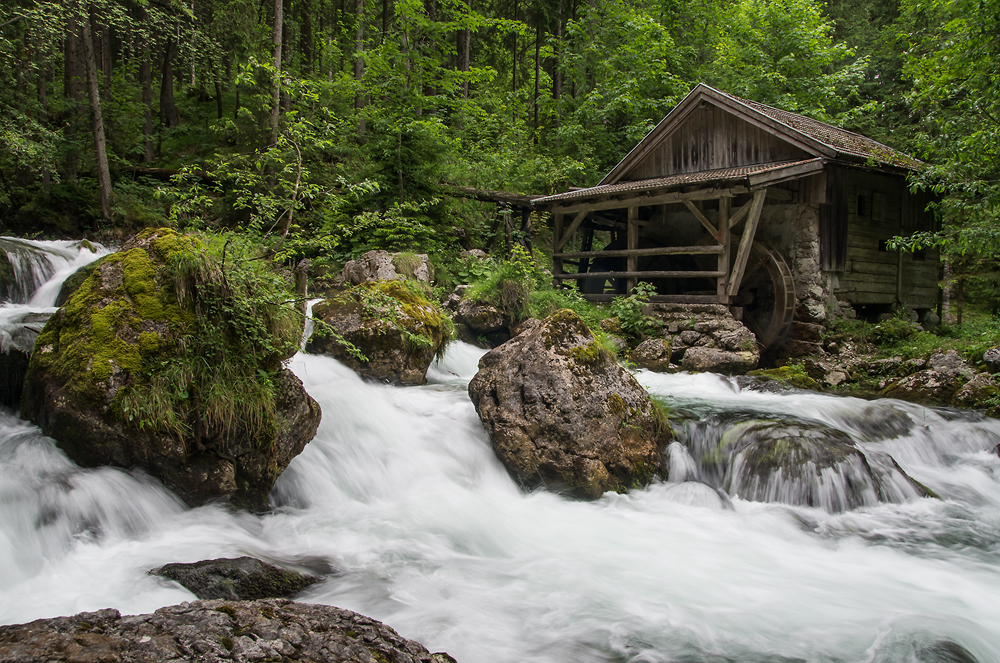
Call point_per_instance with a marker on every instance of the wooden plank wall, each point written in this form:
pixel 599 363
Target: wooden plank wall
pixel 712 138
pixel 879 207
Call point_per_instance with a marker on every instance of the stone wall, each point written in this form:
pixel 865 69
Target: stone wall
pixel 793 231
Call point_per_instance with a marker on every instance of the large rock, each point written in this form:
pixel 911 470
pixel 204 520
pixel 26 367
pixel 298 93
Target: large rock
pixel 398 332
pixel 125 374
pixel 713 360
pixel 385 266
pixel 562 413
pixel 212 632
pixel 242 578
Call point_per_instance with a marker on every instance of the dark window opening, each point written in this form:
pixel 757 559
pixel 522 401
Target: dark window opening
pixel 920 256
pixel 863 210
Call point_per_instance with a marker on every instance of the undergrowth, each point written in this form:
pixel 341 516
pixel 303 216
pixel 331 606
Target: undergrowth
pixel 222 376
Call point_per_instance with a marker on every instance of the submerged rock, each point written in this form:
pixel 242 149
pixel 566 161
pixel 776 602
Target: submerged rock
pixel 398 331
pixel 242 578
pixel 562 413
pixel 108 382
pixel 810 465
pixel 211 631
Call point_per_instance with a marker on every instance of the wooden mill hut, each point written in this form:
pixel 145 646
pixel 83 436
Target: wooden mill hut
pixel 729 201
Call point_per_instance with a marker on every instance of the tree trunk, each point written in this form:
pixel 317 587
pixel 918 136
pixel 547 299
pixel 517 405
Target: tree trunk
pixel 557 79
pixel 168 109
pixel 359 62
pixel 464 40
pixel 103 174
pixel 218 97
pixel 73 76
pixel 276 91
pixel 146 80
pixel 538 48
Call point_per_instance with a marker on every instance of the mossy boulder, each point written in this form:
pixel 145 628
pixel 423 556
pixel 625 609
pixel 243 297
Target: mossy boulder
pixel 398 331
pixel 561 413
pixel 74 281
pixel 118 377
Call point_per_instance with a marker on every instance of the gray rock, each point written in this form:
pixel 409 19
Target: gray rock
pixel 242 578
pixel 385 266
pixel 212 632
pixel 689 337
pixel 946 361
pixel 652 354
pixel 702 359
pixel 834 378
pixel 562 413
pixel 992 359
pixel 480 318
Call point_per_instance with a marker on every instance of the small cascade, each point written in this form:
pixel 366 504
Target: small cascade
pixel 31 275
pixel 805 449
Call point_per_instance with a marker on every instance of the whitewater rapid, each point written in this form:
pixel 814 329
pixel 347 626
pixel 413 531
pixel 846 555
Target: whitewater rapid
pixel 401 493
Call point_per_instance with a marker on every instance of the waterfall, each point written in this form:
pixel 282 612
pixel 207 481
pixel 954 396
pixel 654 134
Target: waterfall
pixel 37 272
pixel 401 492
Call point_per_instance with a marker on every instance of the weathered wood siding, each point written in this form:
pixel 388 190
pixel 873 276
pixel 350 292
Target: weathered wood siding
pixel 878 207
pixel 712 138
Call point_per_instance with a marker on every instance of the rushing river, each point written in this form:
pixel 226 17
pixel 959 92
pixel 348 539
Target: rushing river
pixel 401 493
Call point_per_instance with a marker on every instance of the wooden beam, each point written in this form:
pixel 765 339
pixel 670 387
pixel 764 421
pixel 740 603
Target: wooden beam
pixel 633 274
pixel 572 229
pixel 746 242
pixel 698 214
pixel 646 200
pixel 633 244
pixel 725 207
pixel 735 219
pixel 777 175
pixel 658 251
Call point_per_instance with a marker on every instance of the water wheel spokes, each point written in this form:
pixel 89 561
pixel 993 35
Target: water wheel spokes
pixel 767 295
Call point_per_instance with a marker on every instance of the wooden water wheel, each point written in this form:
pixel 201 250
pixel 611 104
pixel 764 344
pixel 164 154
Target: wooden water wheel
pixel 767 295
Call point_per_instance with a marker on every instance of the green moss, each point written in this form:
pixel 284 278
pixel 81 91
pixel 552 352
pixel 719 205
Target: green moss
pixel 227 642
pixel 617 404
pixel 563 325
pixel 592 353
pixel 793 375
pixel 227 609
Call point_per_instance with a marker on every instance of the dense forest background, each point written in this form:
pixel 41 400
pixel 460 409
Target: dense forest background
pixel 336 126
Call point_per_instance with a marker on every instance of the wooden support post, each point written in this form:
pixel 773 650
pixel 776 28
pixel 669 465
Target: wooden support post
pixel 725 207
pixel 557 263
pixel 746 241
pixel 899 277
pixel 698 214
pixel 633 243
pixel 526 230
pixel 569 231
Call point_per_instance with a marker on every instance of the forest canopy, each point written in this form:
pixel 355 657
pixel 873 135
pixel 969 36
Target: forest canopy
pixel 337 125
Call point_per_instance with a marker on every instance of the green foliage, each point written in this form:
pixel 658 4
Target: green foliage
pixel 782 53
pixel 893 330
pixel 628 310
pixel 508 286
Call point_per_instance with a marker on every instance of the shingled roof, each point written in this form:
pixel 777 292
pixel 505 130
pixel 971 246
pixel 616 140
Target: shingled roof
pixel 814 137
pixel 757 173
